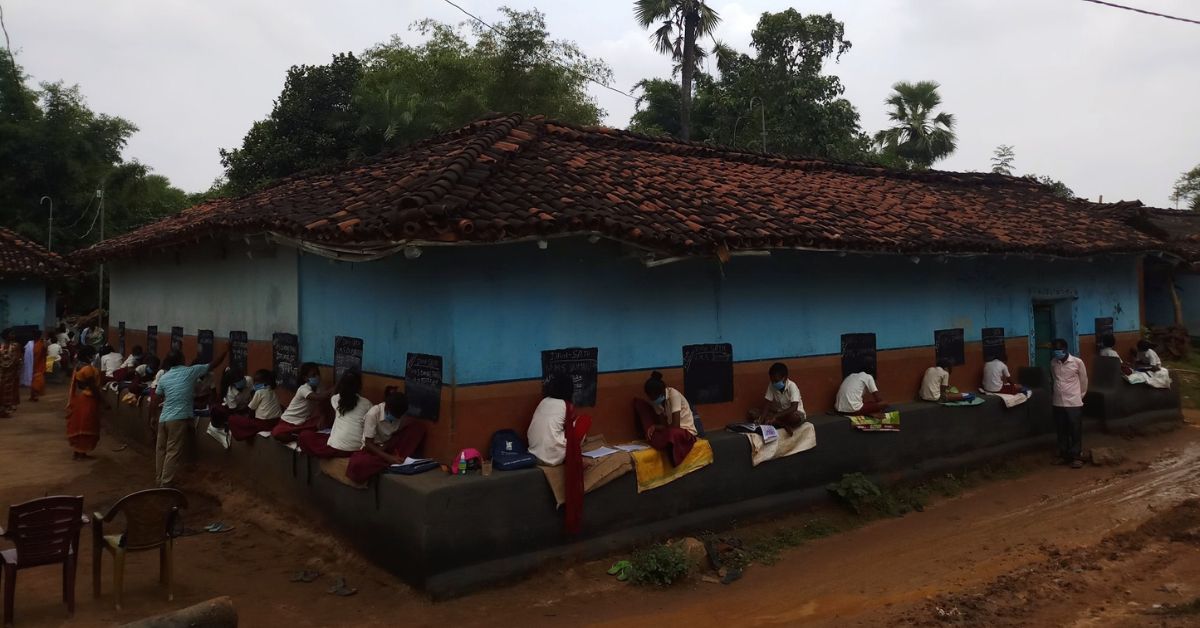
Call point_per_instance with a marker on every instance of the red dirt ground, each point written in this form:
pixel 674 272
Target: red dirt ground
pixel 1094 547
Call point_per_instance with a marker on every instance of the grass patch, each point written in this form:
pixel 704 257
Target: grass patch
pixel 767 548
pixel 1187 373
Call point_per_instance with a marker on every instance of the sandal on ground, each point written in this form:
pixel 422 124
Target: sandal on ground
pixel 217 527
pixel 305 576
pixel 341 589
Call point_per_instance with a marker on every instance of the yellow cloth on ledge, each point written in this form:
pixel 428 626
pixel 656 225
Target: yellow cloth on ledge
pixel 654 469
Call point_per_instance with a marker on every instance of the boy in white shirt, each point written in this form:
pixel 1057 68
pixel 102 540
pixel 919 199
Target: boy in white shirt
pixel 390 436
pixel 110 361
pixel 782 404
pixel 852 396
pixel 935 386
pixel 1147 357
pixel 264 403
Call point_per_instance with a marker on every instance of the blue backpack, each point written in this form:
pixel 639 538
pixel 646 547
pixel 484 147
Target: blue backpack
pixel 509 452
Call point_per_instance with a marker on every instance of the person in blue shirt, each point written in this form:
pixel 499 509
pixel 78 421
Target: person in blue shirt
pixel 177 389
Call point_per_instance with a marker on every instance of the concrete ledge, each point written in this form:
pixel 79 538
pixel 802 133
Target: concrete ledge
pixel 451 535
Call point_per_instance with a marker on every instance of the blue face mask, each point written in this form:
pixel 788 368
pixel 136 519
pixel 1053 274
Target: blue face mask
pixel 1060 354
pixel 660 400
pixel 389 417
pixel 240 385
pixel 313 382
pixel 260 387
pixel 149 371
pixel 780 385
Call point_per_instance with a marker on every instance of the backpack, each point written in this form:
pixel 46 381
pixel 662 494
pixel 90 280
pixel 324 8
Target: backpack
pixel 509 452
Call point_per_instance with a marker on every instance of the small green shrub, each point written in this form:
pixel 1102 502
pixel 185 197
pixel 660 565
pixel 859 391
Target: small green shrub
pixel 659 565
pixel 858 492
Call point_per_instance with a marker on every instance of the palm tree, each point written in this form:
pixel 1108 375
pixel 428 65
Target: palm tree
pixel 919 136
pixel 681 23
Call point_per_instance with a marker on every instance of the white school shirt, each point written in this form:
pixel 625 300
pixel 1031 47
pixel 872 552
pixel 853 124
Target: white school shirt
pixel 1149 356
pixel 347 434
pixel 130 362
pixel 62 338
pixel 110 362
pixel 677 403
pixel 547 433
pixel 235 398
pixel 265 404
pixel 377 428
pixel 994 373
pixel 850 394
pixel 783 399
pixel 54 351
pixel 931 384
pixel 1109 352
pixel 298 411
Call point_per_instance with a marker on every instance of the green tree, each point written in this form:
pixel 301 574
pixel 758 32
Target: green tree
pixel 312 124
pixel 1187 189
pixel 680 24
pixel 1058 188
pixel 802 108
pixel 919 135
pixel 1002 160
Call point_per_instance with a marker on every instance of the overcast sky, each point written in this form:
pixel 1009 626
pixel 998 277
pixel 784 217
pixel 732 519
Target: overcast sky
pixel 1104 99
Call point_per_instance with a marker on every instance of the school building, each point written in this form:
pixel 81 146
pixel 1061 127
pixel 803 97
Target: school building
pixel 26 272
pixel 515 235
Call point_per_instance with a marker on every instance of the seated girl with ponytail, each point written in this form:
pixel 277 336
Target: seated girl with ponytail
pixel 665 418
pixel 350 412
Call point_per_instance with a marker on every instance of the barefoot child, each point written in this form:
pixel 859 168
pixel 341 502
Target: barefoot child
pixel 264 403
pixel 350 412
pixel 852 396
pixel 782 406
pixel 309 408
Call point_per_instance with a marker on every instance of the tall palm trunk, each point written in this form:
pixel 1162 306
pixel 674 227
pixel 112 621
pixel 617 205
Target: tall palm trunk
pixel 689 66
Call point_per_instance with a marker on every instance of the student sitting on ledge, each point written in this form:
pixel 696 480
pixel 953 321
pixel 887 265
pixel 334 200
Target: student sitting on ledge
pixel 264 403
pixel 350 412
pixel 851 396
pixel 1147 357
pixel 389 436
pixel 935 386
pixel 309 409
pixel 666 419
pixel 548 430
pixel 1107 342
pixel 237 390
pixel 997 379
pixel 782 408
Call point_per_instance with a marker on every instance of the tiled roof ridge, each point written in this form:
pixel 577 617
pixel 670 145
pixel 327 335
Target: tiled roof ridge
pixel 21 257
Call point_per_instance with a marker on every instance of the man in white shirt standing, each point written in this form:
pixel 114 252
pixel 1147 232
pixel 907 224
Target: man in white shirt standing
pixel 1070 386
pixel 782 406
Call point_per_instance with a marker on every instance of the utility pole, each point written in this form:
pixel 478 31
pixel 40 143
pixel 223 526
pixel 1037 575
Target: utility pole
pixel 49 223
pixel 100 195
pixel 763 106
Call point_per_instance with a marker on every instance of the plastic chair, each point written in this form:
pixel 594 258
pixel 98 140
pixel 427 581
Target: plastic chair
pixel 150 517
pixel 44 531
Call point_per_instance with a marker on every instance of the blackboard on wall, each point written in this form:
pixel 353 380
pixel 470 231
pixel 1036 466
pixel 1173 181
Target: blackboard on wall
pixel 580 365
pixel 152 340
pixel 176 339
pixel 285 359
pixel 950 344
pixel 204 346
pixel 239 350
pixel 347 353
pixel 708 373
pixel 993 344
pixel 1104 326
pixel 121 337
pixel 858 354
pixel 423 384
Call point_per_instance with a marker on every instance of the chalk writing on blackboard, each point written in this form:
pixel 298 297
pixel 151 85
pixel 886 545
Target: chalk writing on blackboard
pixel 993 344
pixel 423 384
pixel 858 354
pixel 239 349
pixel 708 373
pixel 347 354
pixel 580 365
pixel 152 340
pixel 950 344
pixel 176 339
pixel 204 344
pixel 285 359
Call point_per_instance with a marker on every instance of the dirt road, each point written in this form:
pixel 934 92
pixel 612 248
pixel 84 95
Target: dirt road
pixel 1027 551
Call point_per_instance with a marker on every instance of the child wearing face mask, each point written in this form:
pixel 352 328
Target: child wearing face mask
pixel 782 406
pixel 389 436
pixel 309 408
pixel 264 403
pixel 665 418
pixel 237 389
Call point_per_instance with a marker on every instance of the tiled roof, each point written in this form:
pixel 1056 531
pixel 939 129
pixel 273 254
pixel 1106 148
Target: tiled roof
pixel 20 258
pixel 511 177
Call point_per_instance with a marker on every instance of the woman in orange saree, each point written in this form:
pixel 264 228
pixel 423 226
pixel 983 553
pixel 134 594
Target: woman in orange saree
pixel 83 410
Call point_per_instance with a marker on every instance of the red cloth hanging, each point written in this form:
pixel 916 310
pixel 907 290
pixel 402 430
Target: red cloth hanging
pixel 576 429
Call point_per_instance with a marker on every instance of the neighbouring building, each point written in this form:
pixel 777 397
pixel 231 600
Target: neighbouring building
pixel 27 271
pixel 517 235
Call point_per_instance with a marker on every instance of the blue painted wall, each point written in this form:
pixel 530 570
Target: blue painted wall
pixel 24 302
pixel 491 310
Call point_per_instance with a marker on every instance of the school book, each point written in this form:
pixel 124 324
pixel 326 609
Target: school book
pixel 768 433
